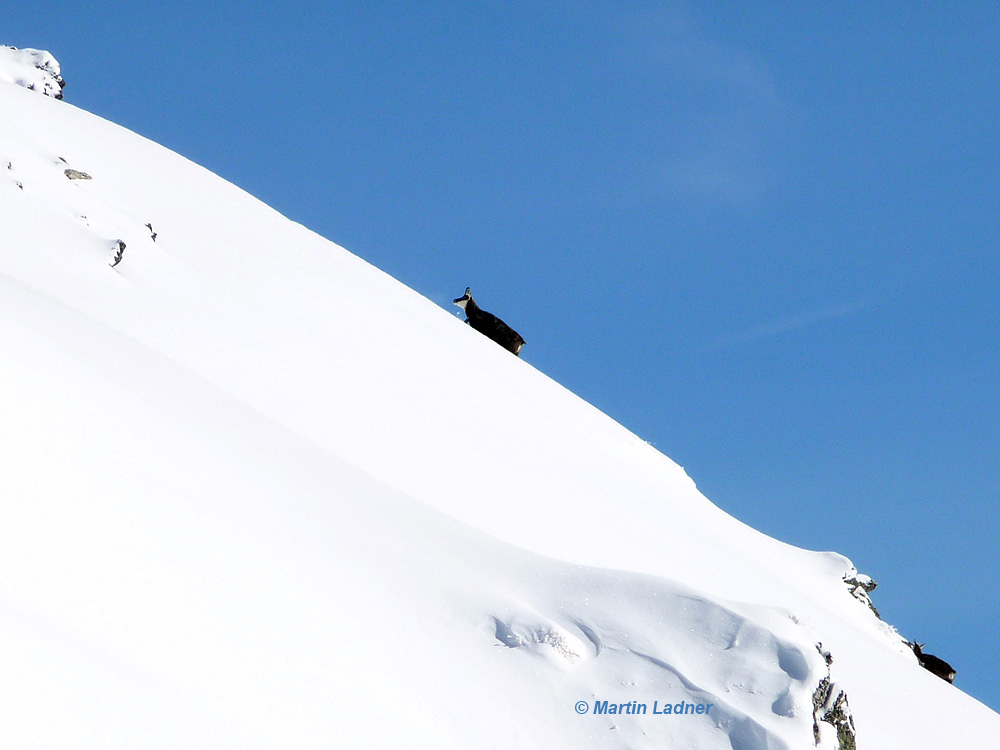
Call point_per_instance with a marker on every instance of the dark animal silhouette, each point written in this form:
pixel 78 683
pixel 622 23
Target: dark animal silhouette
pixel 933 664
pixel 489 324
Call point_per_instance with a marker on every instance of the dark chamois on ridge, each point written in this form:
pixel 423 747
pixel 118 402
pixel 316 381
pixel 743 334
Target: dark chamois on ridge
pixel 933 664
pixel 489 324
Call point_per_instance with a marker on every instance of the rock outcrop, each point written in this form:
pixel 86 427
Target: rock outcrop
pixel 830 706
pixel 34 69
pixel 861 587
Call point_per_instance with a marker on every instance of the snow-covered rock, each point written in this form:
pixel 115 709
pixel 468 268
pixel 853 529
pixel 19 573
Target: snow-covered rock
pixel 34 69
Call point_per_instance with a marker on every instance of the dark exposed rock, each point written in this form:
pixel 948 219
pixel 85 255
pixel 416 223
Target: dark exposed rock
pixel 860 587
pixel 830 705
pixel 75 174
pixel 119 248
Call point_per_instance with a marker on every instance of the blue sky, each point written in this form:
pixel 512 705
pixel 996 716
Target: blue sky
pixel 762 236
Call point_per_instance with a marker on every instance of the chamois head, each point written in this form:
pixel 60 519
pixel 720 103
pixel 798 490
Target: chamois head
pixel 465 298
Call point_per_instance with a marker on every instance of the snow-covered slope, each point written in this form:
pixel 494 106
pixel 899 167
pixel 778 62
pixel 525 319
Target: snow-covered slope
pixel 256 493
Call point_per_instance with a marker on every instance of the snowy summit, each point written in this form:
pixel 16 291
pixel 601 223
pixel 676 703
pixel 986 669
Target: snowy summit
pixel 243 507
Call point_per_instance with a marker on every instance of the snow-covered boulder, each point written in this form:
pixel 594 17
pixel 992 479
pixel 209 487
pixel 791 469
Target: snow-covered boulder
pixel 34 69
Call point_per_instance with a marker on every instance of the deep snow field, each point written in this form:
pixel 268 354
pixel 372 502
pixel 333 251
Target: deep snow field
pixel 256 494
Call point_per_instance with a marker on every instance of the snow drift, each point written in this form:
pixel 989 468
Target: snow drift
pixel 256 493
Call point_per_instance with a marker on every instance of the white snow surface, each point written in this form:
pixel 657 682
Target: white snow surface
pixel 255 493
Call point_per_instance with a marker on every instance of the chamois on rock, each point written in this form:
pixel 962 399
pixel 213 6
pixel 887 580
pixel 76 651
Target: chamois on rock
pixel 489 324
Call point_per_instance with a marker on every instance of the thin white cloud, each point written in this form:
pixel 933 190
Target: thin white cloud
pixel 671 38
pixel 735 181
pixel 790 324
pixel 735 109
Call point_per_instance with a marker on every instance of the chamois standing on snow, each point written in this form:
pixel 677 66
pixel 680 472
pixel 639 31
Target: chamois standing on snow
pixel 489 324
pixel 933 664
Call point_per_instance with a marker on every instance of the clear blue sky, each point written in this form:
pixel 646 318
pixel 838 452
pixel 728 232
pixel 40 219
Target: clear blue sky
pixel 762 236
